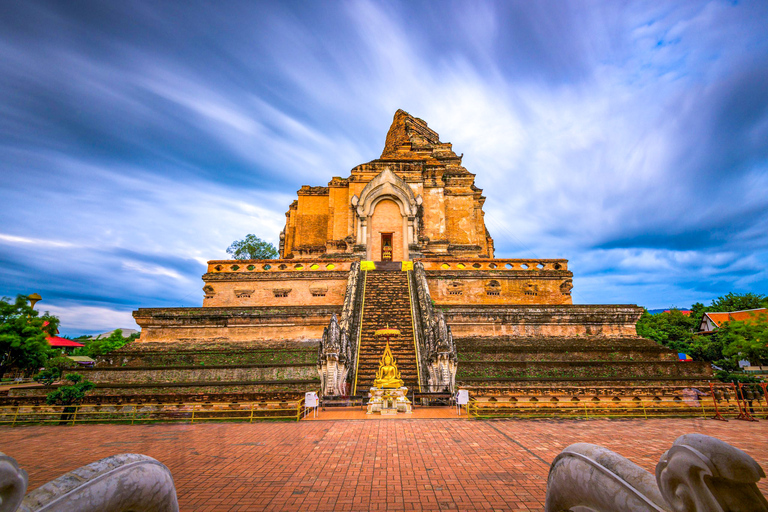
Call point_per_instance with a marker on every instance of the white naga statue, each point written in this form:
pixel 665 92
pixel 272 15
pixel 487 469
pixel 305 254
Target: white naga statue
pixel 698 474
pixel 121 483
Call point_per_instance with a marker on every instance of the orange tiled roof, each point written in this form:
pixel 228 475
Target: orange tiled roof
pixel 742 316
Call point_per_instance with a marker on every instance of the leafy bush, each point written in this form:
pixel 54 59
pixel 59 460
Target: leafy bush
pixel 70 395
pixel 48 376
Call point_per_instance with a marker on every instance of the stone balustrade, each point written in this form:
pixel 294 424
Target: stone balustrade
pixel 496 264
pixel 289 265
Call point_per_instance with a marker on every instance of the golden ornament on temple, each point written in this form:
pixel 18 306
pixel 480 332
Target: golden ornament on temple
pixel 388 376
pixel 387 332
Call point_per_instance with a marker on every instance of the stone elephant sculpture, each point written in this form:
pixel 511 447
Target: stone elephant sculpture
pixel 121 483
pixel 698 474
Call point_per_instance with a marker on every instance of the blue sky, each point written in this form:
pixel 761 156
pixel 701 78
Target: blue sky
pixel 139 139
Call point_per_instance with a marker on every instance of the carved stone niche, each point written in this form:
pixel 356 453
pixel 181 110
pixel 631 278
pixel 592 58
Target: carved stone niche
pixel 209 291
pixel 531 288
pixel 566 287
pixel 454 288
pixel 318 289
pixel 281 292
pixel 493 287
pixel 243 294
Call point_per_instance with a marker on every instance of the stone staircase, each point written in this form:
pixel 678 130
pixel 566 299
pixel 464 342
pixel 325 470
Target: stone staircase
pixel 387 302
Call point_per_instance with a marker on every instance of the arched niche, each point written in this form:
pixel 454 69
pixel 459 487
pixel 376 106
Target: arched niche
pixel 386 186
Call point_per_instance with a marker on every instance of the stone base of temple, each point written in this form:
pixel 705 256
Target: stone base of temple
pixel 233 324
pixel 389 401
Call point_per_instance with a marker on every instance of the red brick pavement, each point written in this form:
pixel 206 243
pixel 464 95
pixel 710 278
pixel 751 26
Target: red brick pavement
pixel 435 464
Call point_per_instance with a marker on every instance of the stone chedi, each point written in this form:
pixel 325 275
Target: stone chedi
pixel 416 200
pixel 465 317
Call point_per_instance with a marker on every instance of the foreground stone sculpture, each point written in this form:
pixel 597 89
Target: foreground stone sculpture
pixel 121 483
pixel 698 474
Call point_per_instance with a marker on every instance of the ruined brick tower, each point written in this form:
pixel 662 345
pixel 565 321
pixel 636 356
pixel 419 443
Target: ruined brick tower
pixel 402 242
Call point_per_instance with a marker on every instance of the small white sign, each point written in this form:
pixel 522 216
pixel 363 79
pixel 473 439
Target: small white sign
pixel 311 399
pixel 463 397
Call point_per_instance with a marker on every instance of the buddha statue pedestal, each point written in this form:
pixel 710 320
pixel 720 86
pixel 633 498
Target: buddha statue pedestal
pixel 389 401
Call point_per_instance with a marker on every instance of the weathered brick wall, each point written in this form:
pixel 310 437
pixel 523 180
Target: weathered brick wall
pixel 312 218
pixel 192 325
pixel 156 375
pixel 271 290
pixel 230 353
pixel 553 348
pixel 542 320
pixel 576 361
pixel 241 283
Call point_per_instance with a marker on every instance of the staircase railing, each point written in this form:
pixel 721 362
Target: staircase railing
pixel 338 347
pixel 436 350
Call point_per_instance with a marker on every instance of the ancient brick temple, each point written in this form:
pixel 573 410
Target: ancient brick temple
pixel 415 201
pixel 402 242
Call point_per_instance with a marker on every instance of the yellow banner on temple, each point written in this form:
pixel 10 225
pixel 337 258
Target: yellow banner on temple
pixel 406 265
pixel 367 265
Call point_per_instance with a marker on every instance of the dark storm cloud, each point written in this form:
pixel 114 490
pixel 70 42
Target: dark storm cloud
pixel 138 139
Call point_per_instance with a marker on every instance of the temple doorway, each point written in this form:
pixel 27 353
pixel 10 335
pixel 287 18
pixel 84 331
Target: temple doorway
pixel 386 232
pixel 386 247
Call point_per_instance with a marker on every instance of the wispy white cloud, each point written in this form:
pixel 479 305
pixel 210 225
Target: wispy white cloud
pixel 76 320
pixel 33 241
pixel 142 141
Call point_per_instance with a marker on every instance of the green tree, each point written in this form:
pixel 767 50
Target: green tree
pixel 745 340
pixel 71 394
pixel 252 248
pixel 738 302
pixel 673 329
pixel 23 335
pixel 102 346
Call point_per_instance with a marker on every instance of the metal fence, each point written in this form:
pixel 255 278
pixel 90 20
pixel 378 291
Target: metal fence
pixel 150 412
pixel 747 402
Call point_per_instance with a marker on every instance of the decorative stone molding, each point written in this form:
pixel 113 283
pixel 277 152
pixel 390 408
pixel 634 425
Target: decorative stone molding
pixel 318 289
pixel 698 474
pixel 281 292
pixel 390 185
pixel 121 483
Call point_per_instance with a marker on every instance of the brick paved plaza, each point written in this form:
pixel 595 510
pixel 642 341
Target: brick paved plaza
pixel 429 464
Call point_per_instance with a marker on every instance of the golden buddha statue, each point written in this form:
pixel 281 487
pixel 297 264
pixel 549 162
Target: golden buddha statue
pixel 388 376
